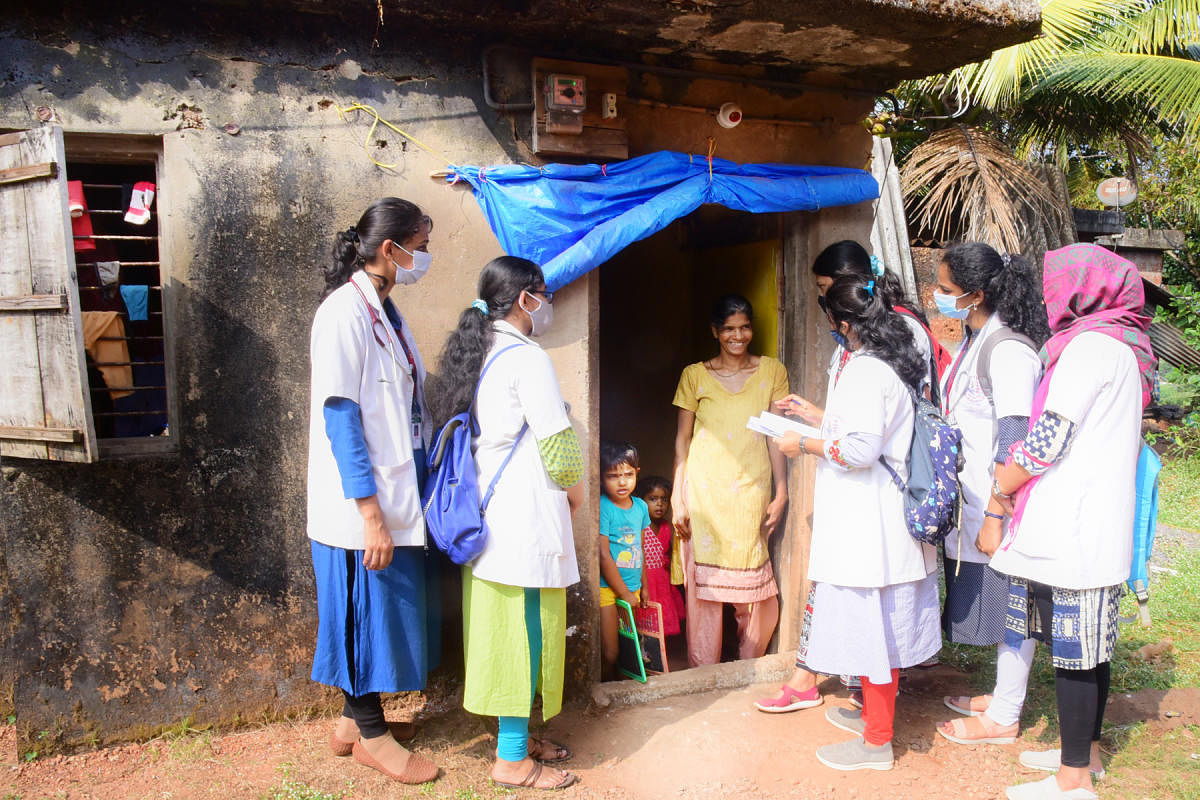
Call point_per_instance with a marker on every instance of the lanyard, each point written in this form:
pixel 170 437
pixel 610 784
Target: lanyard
pixel 962 355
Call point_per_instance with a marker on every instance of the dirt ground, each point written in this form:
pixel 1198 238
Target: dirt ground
pixel 711 745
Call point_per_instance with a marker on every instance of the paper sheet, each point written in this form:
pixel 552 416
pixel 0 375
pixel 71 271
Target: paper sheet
pixel 775 426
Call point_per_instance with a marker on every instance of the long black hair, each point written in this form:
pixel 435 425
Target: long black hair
pixel 386 218
pixel 1011 286
pixel 849 259
pixel 882 331
pixel 500 284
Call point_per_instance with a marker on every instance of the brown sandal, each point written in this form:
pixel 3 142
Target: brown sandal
pixel 418 769
pixel 561 751
pixel 401 732
pixel 530 780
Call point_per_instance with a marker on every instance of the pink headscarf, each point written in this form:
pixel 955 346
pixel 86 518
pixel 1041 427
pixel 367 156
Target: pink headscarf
pixel 1088 288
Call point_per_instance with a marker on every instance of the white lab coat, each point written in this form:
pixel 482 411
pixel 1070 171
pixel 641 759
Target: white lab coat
pixel 1014 371
pixel 530 541
pixel 348 361
pixel 1076 530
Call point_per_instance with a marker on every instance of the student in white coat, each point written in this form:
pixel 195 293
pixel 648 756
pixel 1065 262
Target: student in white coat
pixel 368 426
pixel 1069 487
pixel 514 592
pixel 987 393
pixel 876 589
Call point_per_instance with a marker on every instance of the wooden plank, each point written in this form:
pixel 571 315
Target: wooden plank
pixel 596 143
pixel 29 172
pixel 65 396
pixel 41 434
pixel 21 399
pixel 179 188
pixel 34 302
pixel 601 138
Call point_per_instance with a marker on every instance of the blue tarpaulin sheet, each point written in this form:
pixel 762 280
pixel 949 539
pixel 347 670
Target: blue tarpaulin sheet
pixel 572 218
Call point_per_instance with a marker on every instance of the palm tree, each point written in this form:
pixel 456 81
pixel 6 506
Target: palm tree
pixel 1113 70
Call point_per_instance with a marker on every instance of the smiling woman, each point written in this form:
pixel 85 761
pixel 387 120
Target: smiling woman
pixel 732 487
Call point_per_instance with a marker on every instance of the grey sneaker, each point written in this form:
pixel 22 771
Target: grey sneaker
pixel 856 754
pixel 1046 789
pixel 847 719
pixel 1050 761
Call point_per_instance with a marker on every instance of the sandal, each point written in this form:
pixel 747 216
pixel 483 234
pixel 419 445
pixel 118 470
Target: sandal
pixel 401 732
pixel 530 781
pixel 962 733
pixel 790 700
pixel 561 751
pixel 418 768
pixel 963 704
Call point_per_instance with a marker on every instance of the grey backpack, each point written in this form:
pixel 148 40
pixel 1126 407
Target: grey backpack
pixel 984 362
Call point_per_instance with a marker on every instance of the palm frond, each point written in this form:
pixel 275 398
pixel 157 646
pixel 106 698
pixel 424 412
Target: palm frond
pixel 1067 26
pixel 1169 84
pixel 964 182
pixel 1165 27
pixel 1076 120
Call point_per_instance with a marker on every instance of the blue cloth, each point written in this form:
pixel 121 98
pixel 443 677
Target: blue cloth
pixel 512 741
pixel 1145 520
pixel 137 301
pixel 343 426
pixel 372 624
pixel 572 218
pixel 623 527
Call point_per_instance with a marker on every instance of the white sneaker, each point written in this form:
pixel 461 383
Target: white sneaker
pixel 1047 789
pixel 1050 761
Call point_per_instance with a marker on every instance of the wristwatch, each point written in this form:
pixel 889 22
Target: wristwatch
pixel 803 442
pixel 996 491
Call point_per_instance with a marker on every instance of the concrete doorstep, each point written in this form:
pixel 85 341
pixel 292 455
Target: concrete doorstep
pixel 730 675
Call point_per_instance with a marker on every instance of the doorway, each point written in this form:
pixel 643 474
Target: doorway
pixel 655 302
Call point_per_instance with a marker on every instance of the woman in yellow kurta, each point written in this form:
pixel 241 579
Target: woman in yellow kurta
pixel 731 488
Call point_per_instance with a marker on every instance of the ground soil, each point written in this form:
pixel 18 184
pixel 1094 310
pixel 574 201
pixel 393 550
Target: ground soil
pixel 710 745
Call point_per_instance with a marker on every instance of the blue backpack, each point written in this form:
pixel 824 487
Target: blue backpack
pixel 454 514
pixel 1145 520
pixel 932 496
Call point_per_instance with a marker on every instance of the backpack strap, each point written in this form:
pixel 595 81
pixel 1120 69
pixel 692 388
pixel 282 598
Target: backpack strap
pixel 487 497
pixel 983 363
pixel 916 407
pixel 935 356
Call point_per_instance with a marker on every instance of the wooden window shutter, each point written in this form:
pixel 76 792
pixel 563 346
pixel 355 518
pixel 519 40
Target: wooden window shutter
pixel 45 406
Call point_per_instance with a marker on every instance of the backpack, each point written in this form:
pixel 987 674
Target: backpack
pixel 939 357
pixel 454 513
pixel 1144 523
pixel 932 495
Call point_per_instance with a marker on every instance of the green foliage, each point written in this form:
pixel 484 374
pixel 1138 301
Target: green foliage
pixel 1179 483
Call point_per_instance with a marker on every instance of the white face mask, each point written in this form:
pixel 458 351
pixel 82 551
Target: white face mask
pixel 420 265
pixel 542 316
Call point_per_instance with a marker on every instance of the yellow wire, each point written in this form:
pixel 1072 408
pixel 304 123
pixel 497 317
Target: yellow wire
pixel 367 142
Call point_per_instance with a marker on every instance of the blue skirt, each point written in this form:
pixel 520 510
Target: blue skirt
pixel 377 630
pixel 976 603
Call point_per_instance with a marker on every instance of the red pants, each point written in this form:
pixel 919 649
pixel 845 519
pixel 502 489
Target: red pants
pixel 879 709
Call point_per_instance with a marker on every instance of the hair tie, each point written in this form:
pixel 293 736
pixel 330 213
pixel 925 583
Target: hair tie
pixel 352 234
pixel 870 287
pixel 1006 259
pixel 876 267
pixel 480 305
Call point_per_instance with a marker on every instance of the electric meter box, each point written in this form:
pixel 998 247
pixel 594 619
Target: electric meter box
pixel 566 93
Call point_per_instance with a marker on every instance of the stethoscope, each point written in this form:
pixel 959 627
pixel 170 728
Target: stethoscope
pixel 386 341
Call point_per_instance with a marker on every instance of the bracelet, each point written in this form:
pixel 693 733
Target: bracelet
pixel 996 491
pixel 987 513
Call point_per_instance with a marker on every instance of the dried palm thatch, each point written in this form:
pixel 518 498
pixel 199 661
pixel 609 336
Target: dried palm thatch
pixel 964 183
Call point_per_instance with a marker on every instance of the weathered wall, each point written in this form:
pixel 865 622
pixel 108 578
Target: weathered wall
pixel 143 591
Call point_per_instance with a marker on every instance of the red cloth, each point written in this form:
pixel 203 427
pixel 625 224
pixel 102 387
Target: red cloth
pixel 656 551
pixel 879 709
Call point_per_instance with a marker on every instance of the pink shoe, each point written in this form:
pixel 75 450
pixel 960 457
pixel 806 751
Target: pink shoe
pixel 856 698
pixel 790 700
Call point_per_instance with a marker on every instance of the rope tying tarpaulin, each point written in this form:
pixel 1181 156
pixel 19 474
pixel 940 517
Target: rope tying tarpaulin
pixel 572 218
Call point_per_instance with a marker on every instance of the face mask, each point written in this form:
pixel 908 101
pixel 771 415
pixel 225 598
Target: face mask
pixel 542 316
pixel 840 339
pixel 947 305
pixel 421 262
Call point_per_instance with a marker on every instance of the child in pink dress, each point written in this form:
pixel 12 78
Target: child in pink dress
pixel 656 548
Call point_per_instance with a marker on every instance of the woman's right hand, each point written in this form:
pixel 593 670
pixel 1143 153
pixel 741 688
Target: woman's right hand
pixel 796 406
pixel 377 540
pixel 681 518
pixel 991 533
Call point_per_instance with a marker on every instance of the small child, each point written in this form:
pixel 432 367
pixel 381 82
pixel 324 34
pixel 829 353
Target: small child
pixel 656 491
pixel 623 520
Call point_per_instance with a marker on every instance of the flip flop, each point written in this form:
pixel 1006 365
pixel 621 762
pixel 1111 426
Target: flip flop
pixel 530 780
pixel 956 704
pixel 963 736
pixel 564 752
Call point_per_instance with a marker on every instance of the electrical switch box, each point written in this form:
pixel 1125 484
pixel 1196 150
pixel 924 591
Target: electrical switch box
pixel 566 100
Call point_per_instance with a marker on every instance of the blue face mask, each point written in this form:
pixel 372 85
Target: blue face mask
pixel 840 339
pixel 947 305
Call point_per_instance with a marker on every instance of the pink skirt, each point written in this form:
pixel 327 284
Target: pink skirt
pixel 659 589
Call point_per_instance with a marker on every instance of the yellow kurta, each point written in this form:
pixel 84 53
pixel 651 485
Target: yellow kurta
pixel 728 469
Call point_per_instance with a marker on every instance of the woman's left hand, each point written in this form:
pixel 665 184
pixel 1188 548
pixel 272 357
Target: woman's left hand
pixel 990 535
pixel 774 513
pixel 789 444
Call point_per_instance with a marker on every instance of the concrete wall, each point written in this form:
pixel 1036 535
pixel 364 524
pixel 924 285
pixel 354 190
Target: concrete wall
pixel 143 591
